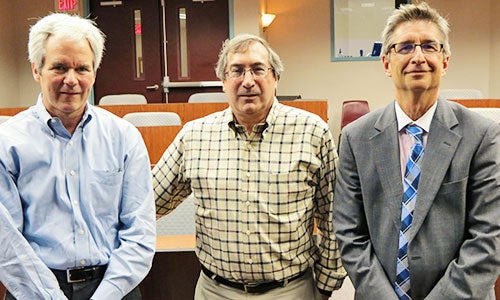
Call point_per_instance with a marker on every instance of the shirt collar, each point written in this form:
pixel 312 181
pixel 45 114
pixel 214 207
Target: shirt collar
pixel 46 118
pixel 423 122
pixel 260 127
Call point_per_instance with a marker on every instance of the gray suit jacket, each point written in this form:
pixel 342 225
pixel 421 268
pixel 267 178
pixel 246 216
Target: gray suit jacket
pixel 454 244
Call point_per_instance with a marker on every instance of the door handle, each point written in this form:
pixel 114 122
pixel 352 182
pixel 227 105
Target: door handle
pixel 152 87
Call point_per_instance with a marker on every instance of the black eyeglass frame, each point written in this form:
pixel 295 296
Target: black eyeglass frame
pixel 251 70
pixel 414 47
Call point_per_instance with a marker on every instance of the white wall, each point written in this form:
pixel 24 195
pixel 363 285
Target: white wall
pixel 17 87
pixel 245 14
pixel 494 76
pixel 8 71
pixel 301 35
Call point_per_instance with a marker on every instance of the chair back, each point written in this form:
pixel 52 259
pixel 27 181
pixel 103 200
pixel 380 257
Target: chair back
pixel 153 118
pixel 461 94
pixel 352 110
pixel 207 97
pixel 492 113
pixel 179 221
pixel 120 99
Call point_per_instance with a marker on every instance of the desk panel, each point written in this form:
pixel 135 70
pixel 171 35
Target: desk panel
pixel 175 269
pixel 157 139
pixel 191 111
pixel 478 102
pixel 172 277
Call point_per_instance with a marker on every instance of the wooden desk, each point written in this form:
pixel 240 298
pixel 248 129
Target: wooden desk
pixel 191 111
pixel 175 269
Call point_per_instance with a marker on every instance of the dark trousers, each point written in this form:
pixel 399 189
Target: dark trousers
pixel 84 290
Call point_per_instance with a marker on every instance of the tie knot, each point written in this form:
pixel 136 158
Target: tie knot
pixel 415 131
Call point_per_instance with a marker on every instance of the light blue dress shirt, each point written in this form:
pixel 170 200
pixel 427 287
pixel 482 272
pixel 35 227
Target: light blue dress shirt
pixel 82 199
pixel 17 260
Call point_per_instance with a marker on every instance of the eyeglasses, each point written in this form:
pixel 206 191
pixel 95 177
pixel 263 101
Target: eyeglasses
pixel 408 48
pixel 258 72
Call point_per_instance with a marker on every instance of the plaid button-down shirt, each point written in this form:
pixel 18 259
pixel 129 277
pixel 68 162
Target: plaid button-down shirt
pixel 257 195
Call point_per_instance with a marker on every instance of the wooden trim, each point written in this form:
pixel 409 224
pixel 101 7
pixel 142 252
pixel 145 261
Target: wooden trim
pixel 170 243
pixel 478 102
pixel 191 111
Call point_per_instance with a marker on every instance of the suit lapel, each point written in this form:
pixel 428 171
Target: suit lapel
pixel 441 145
pixel 385 147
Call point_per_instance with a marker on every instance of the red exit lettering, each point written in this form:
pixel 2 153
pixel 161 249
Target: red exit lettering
pixel 67 4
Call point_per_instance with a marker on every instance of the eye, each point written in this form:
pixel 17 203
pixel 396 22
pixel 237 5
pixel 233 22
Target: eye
pixel 236 72
pixel 430 47
pixel 405 48
pixel 59 68
pixel 83 69
pixel 258 71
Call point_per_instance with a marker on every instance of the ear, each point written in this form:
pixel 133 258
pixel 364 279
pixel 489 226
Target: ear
pixel 387 66
pixel 35 72
pixel 446 61
pixel 224 85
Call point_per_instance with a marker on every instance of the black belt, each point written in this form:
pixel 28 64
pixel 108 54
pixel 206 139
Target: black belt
pixel 80 274
pixel 259 288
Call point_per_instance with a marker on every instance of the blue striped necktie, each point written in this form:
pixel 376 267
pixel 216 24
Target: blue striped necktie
pixel 411 179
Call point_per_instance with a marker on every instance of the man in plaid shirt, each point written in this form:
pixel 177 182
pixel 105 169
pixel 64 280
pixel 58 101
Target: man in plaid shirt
pixel 261 174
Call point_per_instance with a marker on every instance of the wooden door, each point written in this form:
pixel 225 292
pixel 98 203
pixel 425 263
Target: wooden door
pixel 132 60
pixel 136 60
pixel 195 33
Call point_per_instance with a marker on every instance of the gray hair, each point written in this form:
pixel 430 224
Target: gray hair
pixel 240 44
pixel 70 27
pixel 415 12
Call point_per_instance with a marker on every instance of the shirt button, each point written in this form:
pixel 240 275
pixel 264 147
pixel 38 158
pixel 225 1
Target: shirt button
pixel 72 173
pixel 75 202
pixel 249 232
pixel 83 262
pixel 247 174
pixel 247 203
pixel 249 146
pixel 250 261
pixel 53 121
pixel 71 143
pixel 81 231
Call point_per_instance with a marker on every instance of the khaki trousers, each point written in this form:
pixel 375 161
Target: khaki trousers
pixel 303 288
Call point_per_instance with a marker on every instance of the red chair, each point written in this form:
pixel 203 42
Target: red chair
pixel 351 110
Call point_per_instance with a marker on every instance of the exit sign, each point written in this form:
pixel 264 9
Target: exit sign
pixel 68 6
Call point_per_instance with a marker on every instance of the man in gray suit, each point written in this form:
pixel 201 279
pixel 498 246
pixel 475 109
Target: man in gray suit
pixel 419 218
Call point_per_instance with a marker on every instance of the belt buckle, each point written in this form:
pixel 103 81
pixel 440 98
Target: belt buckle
pixel 247 286
pixel 68 275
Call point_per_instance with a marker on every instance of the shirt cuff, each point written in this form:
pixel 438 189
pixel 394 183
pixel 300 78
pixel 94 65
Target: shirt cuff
pixel 106 291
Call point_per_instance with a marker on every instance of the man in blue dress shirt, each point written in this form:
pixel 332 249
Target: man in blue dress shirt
pixel 75 178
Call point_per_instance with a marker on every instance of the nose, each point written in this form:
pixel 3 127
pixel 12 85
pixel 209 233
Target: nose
pixel 248 79
pixel 418 55
pixel 70 78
